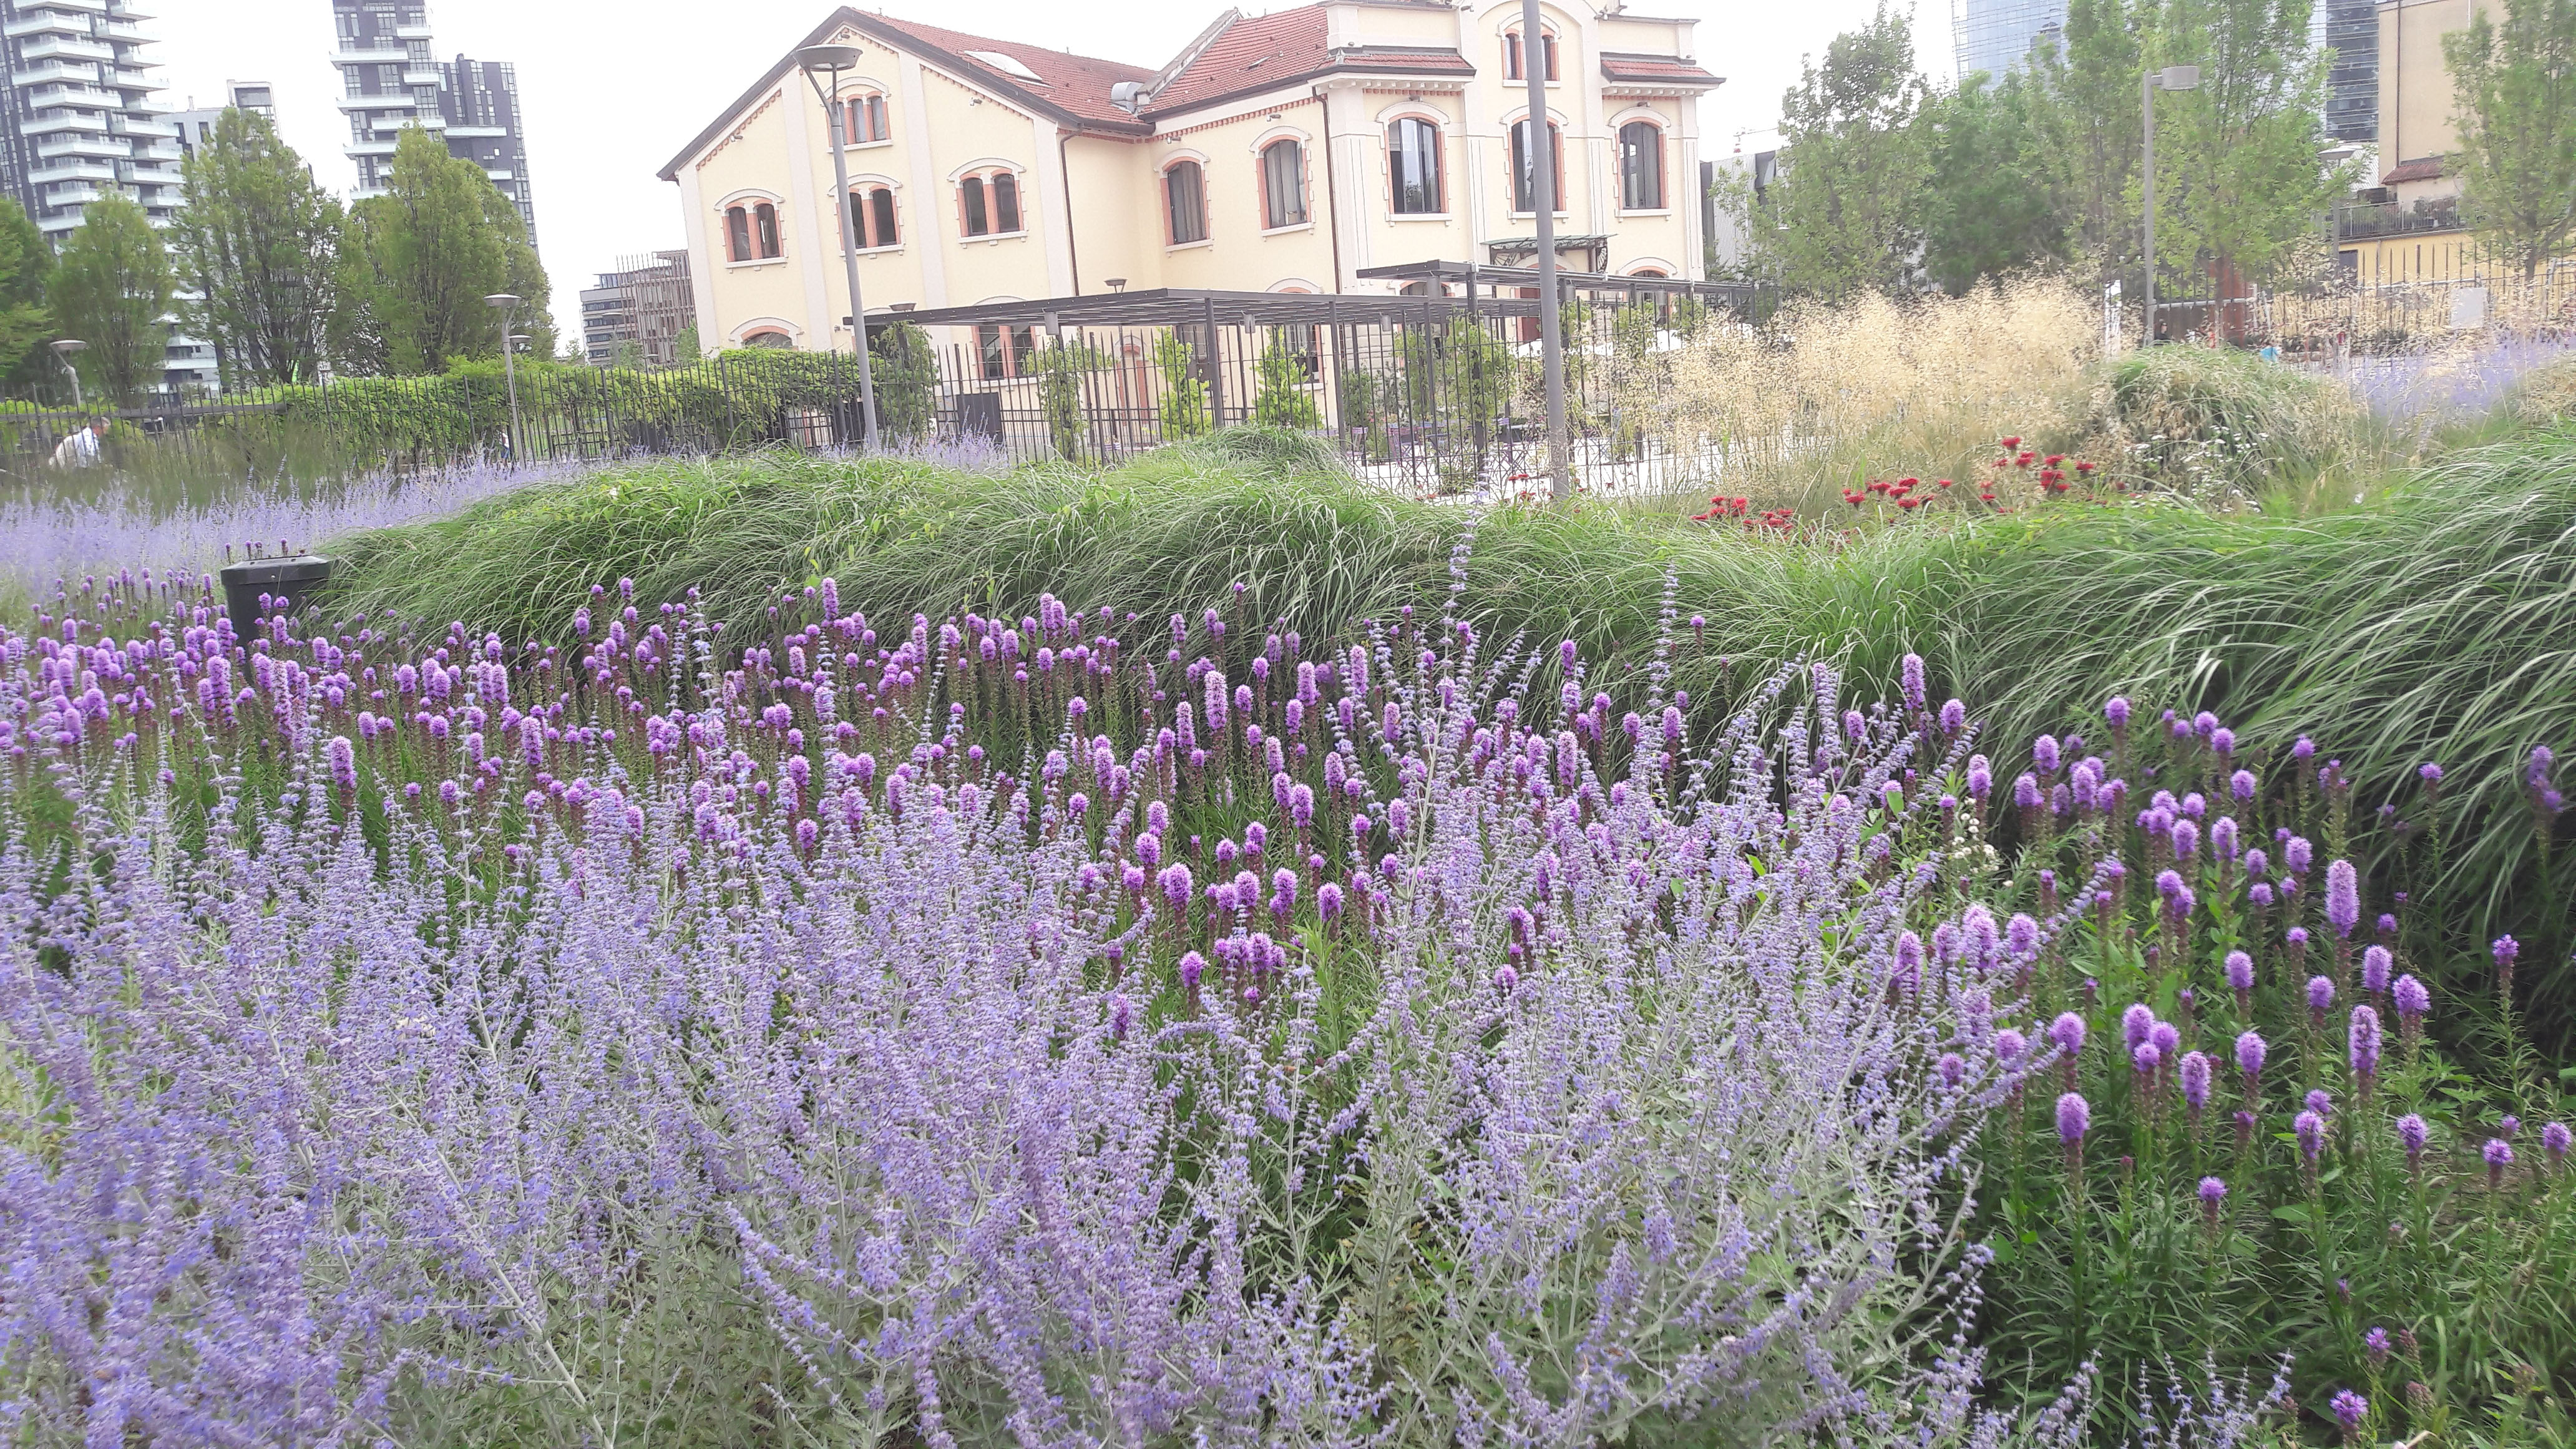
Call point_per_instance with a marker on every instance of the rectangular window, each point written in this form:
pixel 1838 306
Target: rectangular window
pixel 1006 203
pixel 1283 184
pixel 737 235
pixel 1413 164
pixel 1185 190
pixel 979 222
pixel 1641 166
pixel 1522 177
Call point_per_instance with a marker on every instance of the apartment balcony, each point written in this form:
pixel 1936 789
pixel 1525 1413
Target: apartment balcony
pixel 55 71
pixel 82 97
pixel 2393 218
pixel 115 29
pixel 411 32
pixel 426 75
pixel 127 10
pixel 65 47
pixel 477 133
pixel 144 130
pixel 69 171
pixel 86 7
pixel 133 77
pixel 374 55
pixel 77 195
pixel 104 147
pixel 383 101
pixel 157 173
pixel 45 22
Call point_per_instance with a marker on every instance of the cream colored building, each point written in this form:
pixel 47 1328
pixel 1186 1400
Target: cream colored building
pixel 1285 152
pixel 2414 233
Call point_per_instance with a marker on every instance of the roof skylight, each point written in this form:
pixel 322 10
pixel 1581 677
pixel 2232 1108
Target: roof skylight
pixel 1005 64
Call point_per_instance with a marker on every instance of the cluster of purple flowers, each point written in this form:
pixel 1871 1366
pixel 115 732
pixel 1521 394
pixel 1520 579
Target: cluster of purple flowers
pixel 1118 1040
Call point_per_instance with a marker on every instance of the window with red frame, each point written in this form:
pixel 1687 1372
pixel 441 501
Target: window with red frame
pixel 863 119
pixel 989 204
pixel 872 217
pixel 1522 179
pixel 1185 202
pixel 751 232
pixel 1512 54
pixel 1005 351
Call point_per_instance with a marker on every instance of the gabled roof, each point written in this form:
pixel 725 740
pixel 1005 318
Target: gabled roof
pixel 1656 70
pixel 2424 168
pixel 1242 55
pixel 1072 90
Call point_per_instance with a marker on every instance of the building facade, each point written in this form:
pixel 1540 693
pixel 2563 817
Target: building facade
pixel 1288 152
pixel 196 124
pixel 389 80
pixel 1995 36
pixel 639 314
pixel 81 120
pixel 2407 227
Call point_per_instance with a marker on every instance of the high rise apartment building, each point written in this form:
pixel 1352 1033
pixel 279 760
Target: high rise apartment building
pixel 390 80
pixel 81 122
pixel 196 125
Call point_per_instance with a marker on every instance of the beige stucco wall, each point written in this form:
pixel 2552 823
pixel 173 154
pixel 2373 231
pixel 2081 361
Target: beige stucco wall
pixel 2416 101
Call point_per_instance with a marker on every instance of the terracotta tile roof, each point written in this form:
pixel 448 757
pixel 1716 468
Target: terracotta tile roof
pixel 2427 168
pixel 1075 83
pixel 1252 51
pixel 1659 69
pixel 1260 52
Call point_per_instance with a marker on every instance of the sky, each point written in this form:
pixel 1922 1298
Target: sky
pixel 611 91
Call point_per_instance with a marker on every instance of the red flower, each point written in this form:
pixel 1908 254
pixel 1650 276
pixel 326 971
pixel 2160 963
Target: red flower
pixel 2083 467
pixel 1909 502
pixel 2012 442
pixel 2054 459
pixel 1942 483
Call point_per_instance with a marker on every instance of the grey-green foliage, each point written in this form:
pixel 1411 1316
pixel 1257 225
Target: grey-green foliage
pixel 2218 424
pixel 26 324
pixel 113 290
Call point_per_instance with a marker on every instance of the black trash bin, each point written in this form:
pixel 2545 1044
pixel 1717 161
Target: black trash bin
pixel 288 583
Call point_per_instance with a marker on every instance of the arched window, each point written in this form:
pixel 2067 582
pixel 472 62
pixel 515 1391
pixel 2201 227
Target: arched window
pixel 1641 166
pixel 863 119
pixel 1521 168
pixel 751 232
pixel 1512 54
pixel 1185 202
pixel 1413 167
pixel 989 204
pixel 1283 184
pixel 768 339
pixel 764 230
pixel 872 217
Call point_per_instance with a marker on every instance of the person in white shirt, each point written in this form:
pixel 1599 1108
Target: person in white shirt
pixel 80 450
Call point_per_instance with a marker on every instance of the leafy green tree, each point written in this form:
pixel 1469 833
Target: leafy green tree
pixel 2088 131
pixel 904 367
pixel 417 262
pixel 257 240
pixel 1994 204
pixel 1184 404
pixel 1844 215
pixel 26 264
pixel 113 290
pixel 2238 187
pixel 2516 86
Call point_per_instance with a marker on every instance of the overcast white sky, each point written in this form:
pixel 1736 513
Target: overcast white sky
pixel 612 90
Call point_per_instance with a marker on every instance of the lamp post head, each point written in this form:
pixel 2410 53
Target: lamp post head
pixel 70 345
pixel 2178 78
pixel 501 299
pixel 825 59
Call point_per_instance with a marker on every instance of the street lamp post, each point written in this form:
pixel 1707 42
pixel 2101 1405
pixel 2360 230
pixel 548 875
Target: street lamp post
pixel 831 60
pixel 63 351
pixel 1542 183
pixel 2171 78
pixel 506 303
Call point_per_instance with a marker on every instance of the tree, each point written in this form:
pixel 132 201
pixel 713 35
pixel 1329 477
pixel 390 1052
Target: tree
pixel 113 290
pixel 2517 122
pixel 2238 187
pixel 1994 203
pixel 257 241
pixel 417 262
pixel 26 264
pixel 1845 212
pixel 2087 129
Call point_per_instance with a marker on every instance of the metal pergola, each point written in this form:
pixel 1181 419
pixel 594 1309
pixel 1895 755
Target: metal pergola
pixel 1483 291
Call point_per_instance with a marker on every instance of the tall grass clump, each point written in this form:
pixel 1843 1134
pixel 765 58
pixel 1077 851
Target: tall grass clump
pixel 976 1031
pixel 1827 396
pixel 2222 426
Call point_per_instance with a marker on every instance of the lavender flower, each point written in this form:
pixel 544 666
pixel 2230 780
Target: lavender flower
pixel 2362 1046
pixel 2195 1076
pixel 2499 1156
pixel 2213 1200
pixel 2250 1051
pixel 2311 1129
pixel 2349 1409
pixel 2375 964
pixel 2343 898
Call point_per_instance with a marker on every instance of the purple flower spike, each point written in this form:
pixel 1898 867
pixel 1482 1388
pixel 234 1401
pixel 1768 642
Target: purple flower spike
pixel 2320 994
pixel 2375 1343
pixel 2195 1074
pixel 2499 1156
pixel 2312 1135
pixel 2250 1052
pixel 2240 972
pixel 2213 1199
pixel 2074 1118
pixel 2375 964
pixel 2555 1140
pixel 2067 1033
pixel 2146 1058
pixel 2362 1044
pixel 2116 710
pixel 2136 1023
pixel 2411 1135
pixel 2411 998
pixel 2010 1045
pixel 2343 897
pixel 2349 1410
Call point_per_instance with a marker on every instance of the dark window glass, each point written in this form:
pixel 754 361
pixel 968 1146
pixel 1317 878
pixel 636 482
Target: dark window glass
pixel 737 234
pixel 978 221
pixel 1641 166
pixel 1521 170
pixel 764 219
pixel 1006 203
pixel 1185 190
pixel 1413 162
pixel 881 204
pixel 994 352
pixel 1283 184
